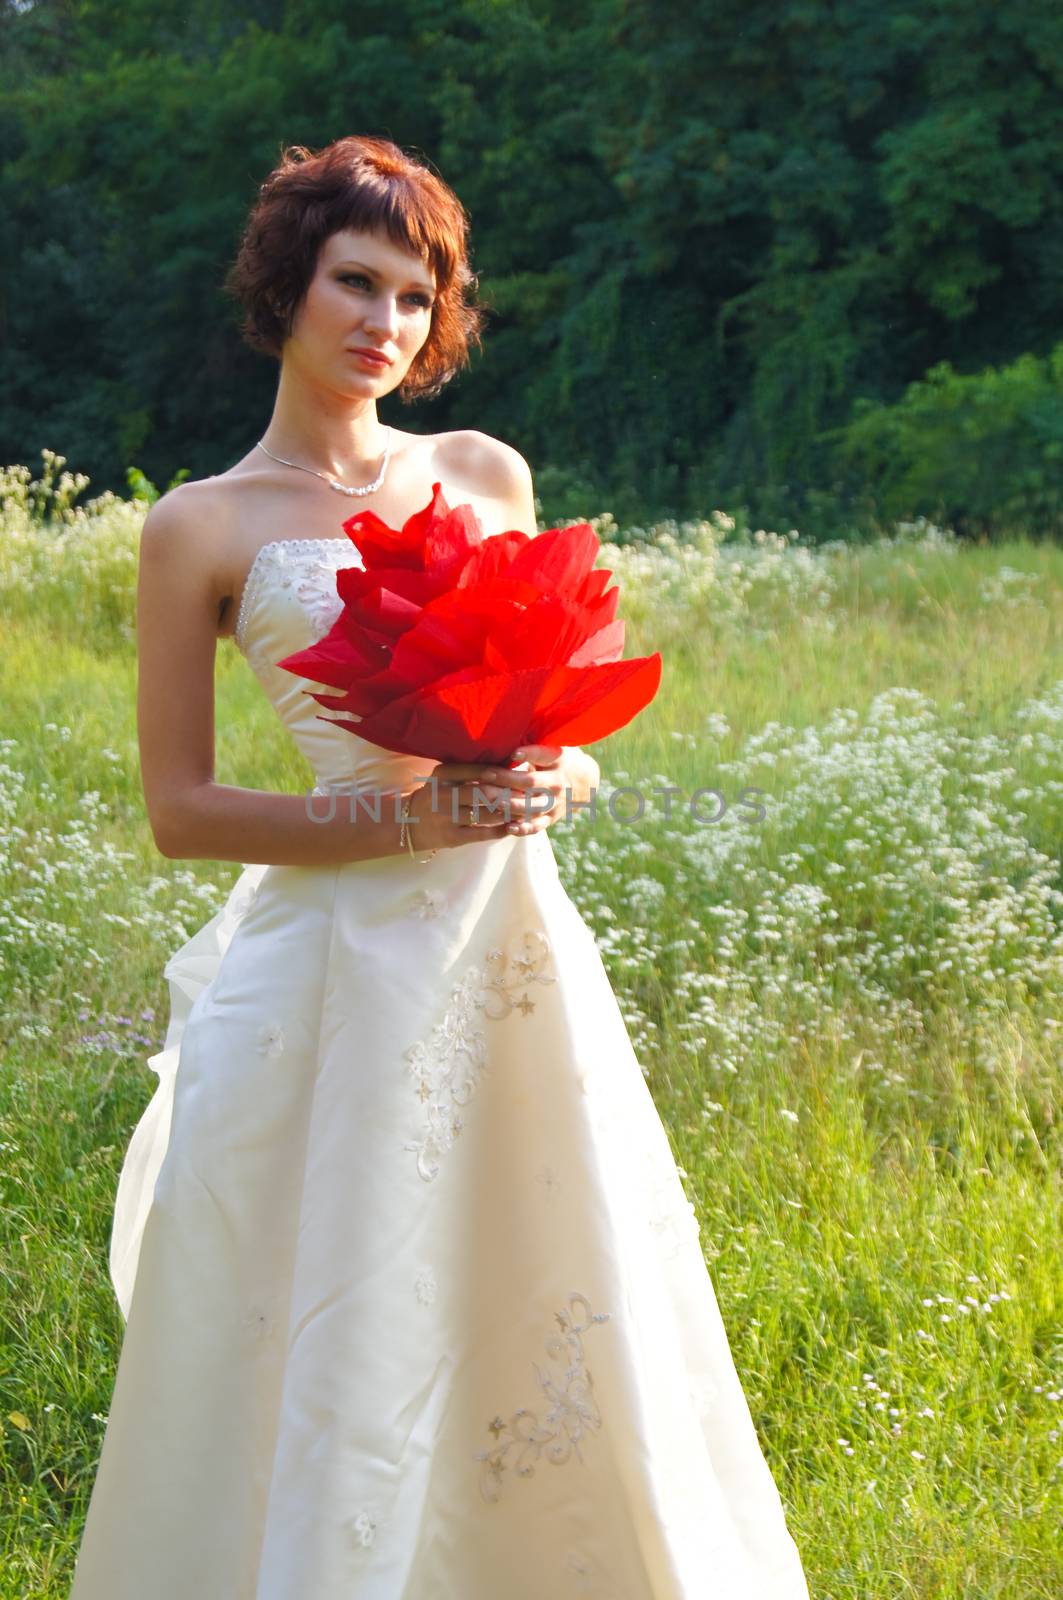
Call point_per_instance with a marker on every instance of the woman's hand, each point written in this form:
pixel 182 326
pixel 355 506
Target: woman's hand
pixel 466 803
pixel 450 809
pixel 567 771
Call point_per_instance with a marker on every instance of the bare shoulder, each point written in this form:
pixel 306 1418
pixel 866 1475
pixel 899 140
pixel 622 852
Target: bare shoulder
pixel 180 511
pixel 498 468
pixel 489 467
pixel 180 535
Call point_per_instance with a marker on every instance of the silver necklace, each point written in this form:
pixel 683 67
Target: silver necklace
pixel 333 482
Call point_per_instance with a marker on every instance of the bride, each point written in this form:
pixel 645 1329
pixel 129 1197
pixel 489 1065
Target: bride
pixel 416 1305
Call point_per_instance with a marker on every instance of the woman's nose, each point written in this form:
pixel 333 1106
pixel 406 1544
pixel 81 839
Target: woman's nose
pixel 383 315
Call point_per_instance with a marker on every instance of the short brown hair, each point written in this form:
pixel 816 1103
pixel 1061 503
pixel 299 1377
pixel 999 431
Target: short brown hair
pixel 361 183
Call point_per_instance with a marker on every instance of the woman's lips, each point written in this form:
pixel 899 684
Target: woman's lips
pixel 371 360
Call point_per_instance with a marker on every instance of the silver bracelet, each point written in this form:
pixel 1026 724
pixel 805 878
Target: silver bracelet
pixel 406 833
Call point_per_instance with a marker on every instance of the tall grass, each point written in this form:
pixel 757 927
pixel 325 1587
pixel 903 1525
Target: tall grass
pixel 846 992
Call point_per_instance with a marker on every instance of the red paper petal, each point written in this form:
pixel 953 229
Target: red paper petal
pixel 594 584
pixel 447 639
pixel 419 587
pixel 493 557
pixel 433 534
pixel 377 544
pixel 559 559
pixel 548 632
pixel 605 645
pixel 453 539
pixel 486 717
pixel 622 690
pixel 383 613
pixel 453 646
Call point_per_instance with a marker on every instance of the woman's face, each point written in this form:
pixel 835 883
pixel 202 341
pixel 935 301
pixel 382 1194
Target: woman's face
pixel 366 293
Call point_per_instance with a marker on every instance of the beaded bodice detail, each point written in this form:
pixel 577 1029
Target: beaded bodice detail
pixel 289 601
pixel 309 564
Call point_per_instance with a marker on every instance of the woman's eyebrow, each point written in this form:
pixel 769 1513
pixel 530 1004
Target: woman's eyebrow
pixel 375 274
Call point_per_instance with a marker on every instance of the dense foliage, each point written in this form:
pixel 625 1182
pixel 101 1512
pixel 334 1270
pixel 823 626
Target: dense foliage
pixel 713 235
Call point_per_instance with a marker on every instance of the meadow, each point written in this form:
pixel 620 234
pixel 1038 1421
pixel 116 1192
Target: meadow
pixel 842 973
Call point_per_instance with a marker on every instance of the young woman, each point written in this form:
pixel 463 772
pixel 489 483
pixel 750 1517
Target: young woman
pixel 416 1303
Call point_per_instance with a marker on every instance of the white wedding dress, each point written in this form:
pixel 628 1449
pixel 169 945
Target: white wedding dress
pixel 416 1303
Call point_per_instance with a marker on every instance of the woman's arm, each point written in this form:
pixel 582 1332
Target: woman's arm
pixel 513 485
pixel 180 589
pixel 191 816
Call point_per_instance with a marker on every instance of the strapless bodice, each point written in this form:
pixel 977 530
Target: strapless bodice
pixel 289 601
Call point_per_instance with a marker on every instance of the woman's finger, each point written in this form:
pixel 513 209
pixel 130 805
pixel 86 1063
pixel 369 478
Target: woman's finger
pixel 540 755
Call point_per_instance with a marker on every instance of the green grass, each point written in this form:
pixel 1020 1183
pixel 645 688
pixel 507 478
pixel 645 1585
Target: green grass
pixel 850 1016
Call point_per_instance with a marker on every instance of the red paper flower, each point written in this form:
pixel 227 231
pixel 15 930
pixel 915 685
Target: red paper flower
pixel 457 647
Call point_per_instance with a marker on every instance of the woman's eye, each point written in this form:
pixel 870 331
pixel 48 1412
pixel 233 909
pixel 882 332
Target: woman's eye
pixel 360 277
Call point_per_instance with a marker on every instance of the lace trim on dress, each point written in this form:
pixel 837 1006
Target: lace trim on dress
pixel 363 1528
pixel 450 1063
pixel 572 1412
pixel 278 556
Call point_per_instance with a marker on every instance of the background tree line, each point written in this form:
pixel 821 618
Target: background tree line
pixel 800 255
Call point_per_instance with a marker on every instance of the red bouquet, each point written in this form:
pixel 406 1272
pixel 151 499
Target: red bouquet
pixel 457 647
